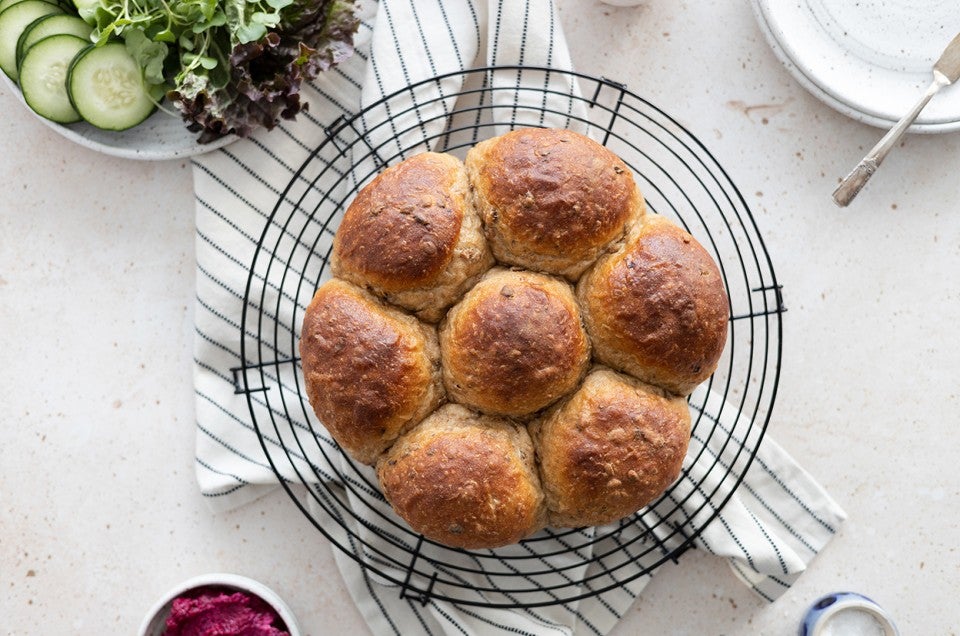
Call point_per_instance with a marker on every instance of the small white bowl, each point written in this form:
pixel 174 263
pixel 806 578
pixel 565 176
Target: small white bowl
pixel 155 621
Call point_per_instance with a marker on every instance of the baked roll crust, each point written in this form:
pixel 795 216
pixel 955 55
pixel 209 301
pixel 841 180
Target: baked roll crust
pixel 464 479
pixel 656 308
pixel 413 237
pixel 370 371
pixel 610 449
pixel 551 200
pixel 514 344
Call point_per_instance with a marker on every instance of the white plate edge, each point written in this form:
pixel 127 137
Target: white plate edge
pixel 114 151
pixel 820 93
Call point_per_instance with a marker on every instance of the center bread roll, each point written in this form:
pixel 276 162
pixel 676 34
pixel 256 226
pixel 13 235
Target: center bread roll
pixel 514 344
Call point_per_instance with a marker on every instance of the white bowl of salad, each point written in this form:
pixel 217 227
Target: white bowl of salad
pixel 160 79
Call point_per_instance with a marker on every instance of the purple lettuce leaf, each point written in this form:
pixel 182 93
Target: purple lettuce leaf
pixel 265 76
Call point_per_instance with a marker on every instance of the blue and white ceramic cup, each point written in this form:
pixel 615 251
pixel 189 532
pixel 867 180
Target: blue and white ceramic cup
pixel 847 614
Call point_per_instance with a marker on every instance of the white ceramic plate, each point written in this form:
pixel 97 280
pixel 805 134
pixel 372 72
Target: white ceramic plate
pixel 870 59
pixel 162 136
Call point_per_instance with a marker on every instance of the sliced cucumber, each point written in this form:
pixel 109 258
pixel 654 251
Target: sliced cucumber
pixel 43 76
pixel 56 24
pixel 13 20
pixel 7 3
pixel 66 5
pixel 106 87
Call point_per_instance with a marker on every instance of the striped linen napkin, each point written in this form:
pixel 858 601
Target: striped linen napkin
pixel 769 530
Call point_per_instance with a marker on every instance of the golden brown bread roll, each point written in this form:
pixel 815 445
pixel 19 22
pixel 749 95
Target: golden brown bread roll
pixel 656 308
pixel 610 449
pixel 412 236
pixel 371 371
pixel 551 200
pixel 466 480
pixel 514 344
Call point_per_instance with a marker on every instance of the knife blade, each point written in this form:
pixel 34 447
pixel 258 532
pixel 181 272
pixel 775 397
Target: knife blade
pixel 949 63
pixel 946 71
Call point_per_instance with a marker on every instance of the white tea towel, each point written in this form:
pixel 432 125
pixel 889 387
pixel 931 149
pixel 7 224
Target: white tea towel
pixel 770 529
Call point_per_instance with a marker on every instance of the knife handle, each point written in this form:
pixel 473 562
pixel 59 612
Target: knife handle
pixel 854 182
pixel 858 177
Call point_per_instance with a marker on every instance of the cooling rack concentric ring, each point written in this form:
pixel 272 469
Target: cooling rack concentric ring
pixel 679 178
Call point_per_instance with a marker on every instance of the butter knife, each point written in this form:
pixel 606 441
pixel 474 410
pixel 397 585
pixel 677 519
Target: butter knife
pixel 945 72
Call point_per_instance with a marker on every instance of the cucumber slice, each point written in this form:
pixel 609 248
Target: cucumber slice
pixel 7 3
pixel 13 21
pixel 48 25
pixel 105 85
pixel 43 76
pixel 66 5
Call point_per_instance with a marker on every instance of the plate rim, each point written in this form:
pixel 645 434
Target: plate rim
pixel 194 150
pixel 821 93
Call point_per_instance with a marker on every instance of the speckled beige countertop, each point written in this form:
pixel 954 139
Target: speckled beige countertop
pixel 99 511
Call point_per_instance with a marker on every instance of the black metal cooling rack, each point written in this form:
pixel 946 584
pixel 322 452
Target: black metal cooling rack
pixel 679 179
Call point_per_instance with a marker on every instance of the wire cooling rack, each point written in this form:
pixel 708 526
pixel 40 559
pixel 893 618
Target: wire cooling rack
pixel 679 178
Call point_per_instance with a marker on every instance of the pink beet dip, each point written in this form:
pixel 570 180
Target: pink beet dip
pixel 217 612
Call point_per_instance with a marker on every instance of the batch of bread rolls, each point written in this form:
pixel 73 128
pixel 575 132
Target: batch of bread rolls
pixel 510 340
